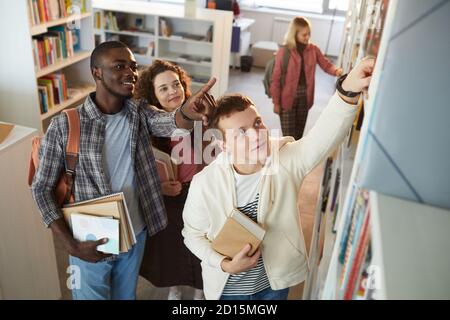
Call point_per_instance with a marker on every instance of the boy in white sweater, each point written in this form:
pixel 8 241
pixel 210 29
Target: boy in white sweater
pixel 261 177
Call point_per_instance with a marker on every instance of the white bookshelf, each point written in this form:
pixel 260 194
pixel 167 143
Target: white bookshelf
pixel 351 54
pixel 409 241
pixel 19 99
pixel 205 59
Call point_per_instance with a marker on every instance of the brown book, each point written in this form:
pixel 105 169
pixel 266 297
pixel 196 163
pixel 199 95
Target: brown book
pixel 166 166
pixel 238 231
pixel 5 129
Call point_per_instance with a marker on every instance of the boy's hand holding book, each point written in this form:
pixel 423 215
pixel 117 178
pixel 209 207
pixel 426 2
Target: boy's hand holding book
pixel 241 261
pixel 87 250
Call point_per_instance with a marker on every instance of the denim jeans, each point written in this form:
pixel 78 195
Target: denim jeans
pixel 116 280
pixel 266 294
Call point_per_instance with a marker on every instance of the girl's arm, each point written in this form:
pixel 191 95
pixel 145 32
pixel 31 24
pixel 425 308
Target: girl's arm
pixel 326 64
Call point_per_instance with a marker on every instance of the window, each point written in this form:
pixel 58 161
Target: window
pixel 168 1
pixel 315 6
pixel 298 5
pixel 341 5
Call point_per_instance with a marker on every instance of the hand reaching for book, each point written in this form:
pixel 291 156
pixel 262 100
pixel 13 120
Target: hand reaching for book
pixel 241 261
pixel 358 79
pixel 171 188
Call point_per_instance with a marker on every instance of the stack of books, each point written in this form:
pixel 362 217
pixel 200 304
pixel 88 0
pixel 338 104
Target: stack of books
pixel 52 91
pixel 104 217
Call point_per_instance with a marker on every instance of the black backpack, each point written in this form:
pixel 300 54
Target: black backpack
pixel 269 70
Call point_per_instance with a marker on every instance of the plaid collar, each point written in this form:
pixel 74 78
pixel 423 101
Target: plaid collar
pixel 94 112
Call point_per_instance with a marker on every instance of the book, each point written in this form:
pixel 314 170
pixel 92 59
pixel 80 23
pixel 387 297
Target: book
pixel 43 98
pixel 5 129
pixel 165 27
pixel 76 42
pixel 91 228
pixel 355 270
pixel 112 205
pixel 163 171
pixel 238 231
pixel 166 166
pixel 50 92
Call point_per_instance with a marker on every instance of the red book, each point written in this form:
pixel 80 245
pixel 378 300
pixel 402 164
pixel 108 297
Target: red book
pixel 42 62
pixel 359 258
pixel 46 12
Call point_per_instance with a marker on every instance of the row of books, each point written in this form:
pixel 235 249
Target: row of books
pixel 42 11
pixel 52 91
pixel 369 21
pixel 355 254
pixel 134 44
pixel 115 21
pixel 57 44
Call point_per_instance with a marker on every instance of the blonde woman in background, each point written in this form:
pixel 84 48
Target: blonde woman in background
pixel 293 100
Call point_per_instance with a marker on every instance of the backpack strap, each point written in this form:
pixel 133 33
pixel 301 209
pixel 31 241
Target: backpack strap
pixel 284 65
pixel 72 149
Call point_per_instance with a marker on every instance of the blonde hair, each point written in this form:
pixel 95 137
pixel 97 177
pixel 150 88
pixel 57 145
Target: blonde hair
pixel 294 26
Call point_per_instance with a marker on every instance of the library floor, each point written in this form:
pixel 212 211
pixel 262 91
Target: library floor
pixel 249 84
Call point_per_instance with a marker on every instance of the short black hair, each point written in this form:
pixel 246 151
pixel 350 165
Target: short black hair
pixel 101 49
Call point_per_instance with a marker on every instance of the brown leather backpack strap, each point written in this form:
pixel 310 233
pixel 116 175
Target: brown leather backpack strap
pixel 72 149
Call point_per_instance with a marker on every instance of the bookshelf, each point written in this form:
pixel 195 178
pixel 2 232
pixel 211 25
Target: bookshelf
pixel 163 31
pixel 41 47
pixel 374 245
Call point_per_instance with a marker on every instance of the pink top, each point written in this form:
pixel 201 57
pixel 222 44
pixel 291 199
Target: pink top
pixel 186 171
pixel 285 96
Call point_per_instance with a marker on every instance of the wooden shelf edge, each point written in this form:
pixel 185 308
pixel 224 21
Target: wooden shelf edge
pixel 83 93
pixel 199 42
pixel 188 62
pixel 43 27
pixel 63 63
pixel 129 33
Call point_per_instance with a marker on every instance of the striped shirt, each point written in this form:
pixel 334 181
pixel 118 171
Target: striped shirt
pixel 254 280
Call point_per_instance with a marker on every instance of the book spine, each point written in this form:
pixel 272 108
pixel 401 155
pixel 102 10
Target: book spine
pixel 46 11
pixel 359 257
pixel 41 11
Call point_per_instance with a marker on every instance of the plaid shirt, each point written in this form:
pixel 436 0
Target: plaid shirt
pixel 90 178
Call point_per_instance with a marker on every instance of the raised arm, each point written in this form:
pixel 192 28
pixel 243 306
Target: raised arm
pixel 332 125
pixel 326 64
pixel 198 107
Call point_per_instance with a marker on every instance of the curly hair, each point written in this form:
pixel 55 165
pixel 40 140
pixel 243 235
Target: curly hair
pixel 145 88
